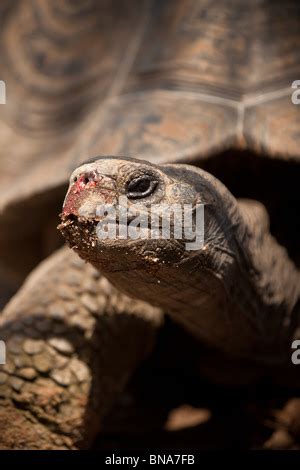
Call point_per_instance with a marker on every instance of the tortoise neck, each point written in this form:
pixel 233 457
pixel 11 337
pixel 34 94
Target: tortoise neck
pixel 240 294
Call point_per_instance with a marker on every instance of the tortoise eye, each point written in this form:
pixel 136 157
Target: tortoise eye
pixel 141 186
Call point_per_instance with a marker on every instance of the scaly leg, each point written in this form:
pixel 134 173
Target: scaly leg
pixel 72 342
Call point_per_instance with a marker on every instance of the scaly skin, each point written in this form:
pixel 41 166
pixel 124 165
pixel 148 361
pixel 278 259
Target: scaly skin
pixel 70 352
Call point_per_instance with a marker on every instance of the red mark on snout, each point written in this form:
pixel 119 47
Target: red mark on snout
pixel 82 183
pixel 86 181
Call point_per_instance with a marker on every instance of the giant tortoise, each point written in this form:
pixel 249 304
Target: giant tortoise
pixel 190 90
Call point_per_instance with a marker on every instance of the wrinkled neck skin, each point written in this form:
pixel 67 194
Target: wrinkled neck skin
pixel 222 299
pixel 238 294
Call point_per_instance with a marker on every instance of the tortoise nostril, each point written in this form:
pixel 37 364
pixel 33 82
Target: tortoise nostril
pixel 88 177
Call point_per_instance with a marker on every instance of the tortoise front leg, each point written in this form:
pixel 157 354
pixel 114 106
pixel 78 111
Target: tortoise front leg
pixel 72 342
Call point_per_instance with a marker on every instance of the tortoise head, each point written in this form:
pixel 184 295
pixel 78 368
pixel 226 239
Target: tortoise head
pixel 138 222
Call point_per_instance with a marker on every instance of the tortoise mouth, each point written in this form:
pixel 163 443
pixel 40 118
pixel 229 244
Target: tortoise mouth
pixel 69 219
pixel 106 254
pixel 70 222
pixel 79 231
pixel 113 232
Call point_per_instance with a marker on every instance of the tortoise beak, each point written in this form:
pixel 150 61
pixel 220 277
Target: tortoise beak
pixel 88 192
